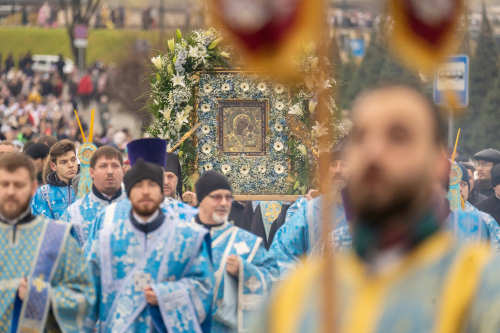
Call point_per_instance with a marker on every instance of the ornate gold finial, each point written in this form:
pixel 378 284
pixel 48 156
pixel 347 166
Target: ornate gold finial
pixel 299 130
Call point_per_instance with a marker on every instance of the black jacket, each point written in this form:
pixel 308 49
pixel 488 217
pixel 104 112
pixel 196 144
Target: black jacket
pixel 236 214
pixel 490 206
pixel 475 197
pixel 483 186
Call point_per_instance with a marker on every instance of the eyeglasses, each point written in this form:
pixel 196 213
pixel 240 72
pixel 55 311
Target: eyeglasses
pixel 484 164
pixel 219 197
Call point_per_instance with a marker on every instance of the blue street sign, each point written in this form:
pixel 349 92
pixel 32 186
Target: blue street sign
pixel 357 47
pixel 453 76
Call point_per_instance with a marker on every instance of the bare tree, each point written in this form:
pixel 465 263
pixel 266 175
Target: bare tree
pixel 128 84
pixel 78 12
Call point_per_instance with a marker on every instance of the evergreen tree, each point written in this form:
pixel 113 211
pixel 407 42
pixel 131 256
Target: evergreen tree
pixel 346 76
pixel 334 56
pixel 485 132
pixel 483 72
pixel 394 70
pixel 369 71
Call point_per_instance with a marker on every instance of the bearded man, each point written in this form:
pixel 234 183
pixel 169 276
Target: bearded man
pixel 405 271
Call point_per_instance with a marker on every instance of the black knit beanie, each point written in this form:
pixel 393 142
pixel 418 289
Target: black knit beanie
pixel 208 182
pixel 143 170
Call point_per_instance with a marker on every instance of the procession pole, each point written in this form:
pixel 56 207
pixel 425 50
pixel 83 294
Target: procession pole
pixel 328 273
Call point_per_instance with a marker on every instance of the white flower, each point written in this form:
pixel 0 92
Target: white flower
pixel 193 52
pixel 166 114
pixel 312 106
pixel 206 149
pixel 244 86
pixel 205 107
pixel 182 118
pixel 261 168
pixel 279 88
pixel 207 88
pixel 280 106
pixel 208 166
pixel 279 169
pixel 323 84
pixel 244 170
pixel 302 149
pixel 296 110
pixel 226 168
pixel 203 54
pixel 278 127
pixel 262 86
pixel 158 62
pixel 205 129
pixel 278 146
pixel 319 130
pixel 226 87
pixel 178 80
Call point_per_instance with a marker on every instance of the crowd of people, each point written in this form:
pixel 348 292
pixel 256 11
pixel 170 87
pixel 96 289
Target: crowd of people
pixel 36 104
pixel 93 239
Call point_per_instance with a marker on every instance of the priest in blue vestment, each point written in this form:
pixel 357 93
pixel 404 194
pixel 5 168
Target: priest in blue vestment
pixel 244 270
pixel 154 151
pixel 405 272
pixel 152 272
pixel 300 234
pixel 45 281
pixel 107 175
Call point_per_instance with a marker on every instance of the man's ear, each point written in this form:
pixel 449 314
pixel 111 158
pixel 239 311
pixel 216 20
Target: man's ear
pixel 92 173
pixel 53 166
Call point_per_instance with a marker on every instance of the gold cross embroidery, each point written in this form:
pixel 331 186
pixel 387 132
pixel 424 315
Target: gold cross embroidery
pixel 39 283
pixel 273 210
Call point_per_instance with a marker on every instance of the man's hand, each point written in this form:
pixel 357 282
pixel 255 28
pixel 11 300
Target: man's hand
pixel 22 288
pixel 312 194
pixel 150 296
pixel 186 196
pixel 233 265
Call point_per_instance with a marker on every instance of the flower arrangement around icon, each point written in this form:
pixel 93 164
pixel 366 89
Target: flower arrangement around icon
pixel 185 89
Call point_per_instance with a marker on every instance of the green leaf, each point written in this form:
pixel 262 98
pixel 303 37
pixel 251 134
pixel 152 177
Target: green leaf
pixel 297 183
pixel 158 77
pixel 180 154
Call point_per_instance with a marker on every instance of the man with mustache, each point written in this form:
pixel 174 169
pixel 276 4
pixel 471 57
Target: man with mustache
pixel 301 232
pixel 172 184
pixel 244 270
pixel 107 175
pixel 154 151
pixel 53 198
pixel 485 160
pixel 492 204
pixel 405 272
pixel 45 281
pixel 152 272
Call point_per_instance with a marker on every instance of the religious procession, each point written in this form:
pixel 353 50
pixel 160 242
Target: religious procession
pixel 273 187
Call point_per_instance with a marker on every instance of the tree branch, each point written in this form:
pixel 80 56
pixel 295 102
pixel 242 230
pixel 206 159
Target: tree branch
pixel 90 12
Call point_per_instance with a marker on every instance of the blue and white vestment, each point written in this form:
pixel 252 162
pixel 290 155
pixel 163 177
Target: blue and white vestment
pixel 83 211
pixel 174 260
pixel 236 299
pixel 60 289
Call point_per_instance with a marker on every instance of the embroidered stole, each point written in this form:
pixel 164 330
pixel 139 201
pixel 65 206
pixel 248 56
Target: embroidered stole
pixel 36 305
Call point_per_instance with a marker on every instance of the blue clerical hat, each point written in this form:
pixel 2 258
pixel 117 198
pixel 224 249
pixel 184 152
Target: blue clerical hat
pixel 151 150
